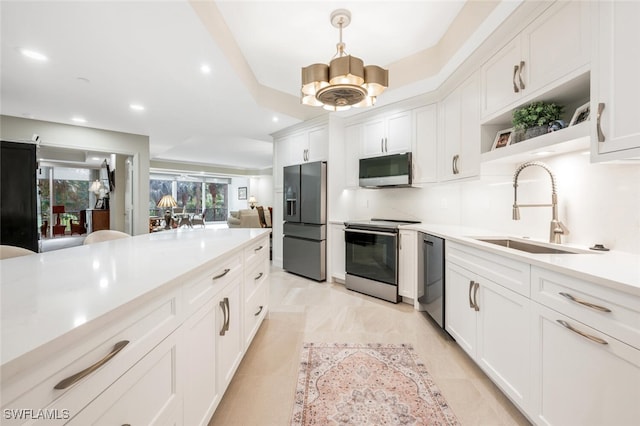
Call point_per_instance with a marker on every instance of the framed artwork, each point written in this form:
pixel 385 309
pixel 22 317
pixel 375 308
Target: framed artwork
pixel 99 203
pixel 503 138
pixel 582 114
pixel 242 193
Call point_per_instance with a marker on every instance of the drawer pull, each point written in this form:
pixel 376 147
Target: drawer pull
pixel 585 303
pixel 226 271
pixel 601 137
pixel 259 311
pixel 520 75
pixel 582 333
pixel 84 373
pixel 454 164
pixel 515 73
pixel 224 304
pixel 258 249
pixel 259 276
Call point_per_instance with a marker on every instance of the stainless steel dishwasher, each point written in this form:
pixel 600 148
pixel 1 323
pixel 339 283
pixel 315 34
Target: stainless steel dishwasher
pixel 431 277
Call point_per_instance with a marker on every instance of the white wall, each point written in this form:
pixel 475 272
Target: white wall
pixel 87 139
pixel 261 187
pixel 599 203
pixel 234 203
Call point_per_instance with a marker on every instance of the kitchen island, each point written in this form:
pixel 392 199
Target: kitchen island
pixel 170 313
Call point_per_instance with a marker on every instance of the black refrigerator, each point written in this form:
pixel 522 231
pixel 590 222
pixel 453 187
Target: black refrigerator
pixel 305 212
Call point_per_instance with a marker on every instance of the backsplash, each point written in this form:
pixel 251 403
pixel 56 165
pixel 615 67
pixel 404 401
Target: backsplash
pixel 599 203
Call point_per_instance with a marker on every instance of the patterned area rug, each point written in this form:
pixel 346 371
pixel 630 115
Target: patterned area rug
pixel 366 384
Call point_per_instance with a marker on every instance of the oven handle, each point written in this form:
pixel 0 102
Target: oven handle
pixel 357 231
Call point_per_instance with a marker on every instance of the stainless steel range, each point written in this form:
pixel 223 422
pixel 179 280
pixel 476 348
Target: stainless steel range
pixel 371 261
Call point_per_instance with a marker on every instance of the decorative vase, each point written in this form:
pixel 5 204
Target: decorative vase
pixel 535 131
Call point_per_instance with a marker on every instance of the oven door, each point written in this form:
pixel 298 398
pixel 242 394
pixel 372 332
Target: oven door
pixel 372 255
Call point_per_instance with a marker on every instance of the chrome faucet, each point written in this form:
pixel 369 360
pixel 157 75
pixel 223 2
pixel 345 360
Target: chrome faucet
pixel 557 228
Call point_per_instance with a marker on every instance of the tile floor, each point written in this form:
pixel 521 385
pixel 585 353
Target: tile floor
pixel 262 391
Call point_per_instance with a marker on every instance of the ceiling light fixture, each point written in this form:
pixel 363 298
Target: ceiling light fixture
pixel 79 120
pixel 136 107
pixel 345 82
pixel 205 69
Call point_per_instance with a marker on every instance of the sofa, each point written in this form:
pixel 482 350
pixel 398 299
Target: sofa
pixel 247 218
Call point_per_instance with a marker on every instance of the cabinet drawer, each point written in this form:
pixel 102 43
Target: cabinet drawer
pixel 148 394
pixel 255 310
pixel 609 311
pixel 201 289
pixel 258 250
pixel 34 386
pixel 254 277
pixel 506 272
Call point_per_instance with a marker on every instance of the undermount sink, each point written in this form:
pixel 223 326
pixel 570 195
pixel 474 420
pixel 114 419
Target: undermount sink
pixel 530 246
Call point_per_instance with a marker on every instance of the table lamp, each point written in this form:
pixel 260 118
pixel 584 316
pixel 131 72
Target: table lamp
pixel 252 202
pixel 165 202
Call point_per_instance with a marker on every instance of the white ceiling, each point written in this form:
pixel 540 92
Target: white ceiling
pixel 105 55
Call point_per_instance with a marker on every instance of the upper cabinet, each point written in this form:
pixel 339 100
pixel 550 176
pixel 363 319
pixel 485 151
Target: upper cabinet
pixel 615 128
pixel 387 134
pixel 459 128
pixel 425 149
pixel 550 51
pixel 303 146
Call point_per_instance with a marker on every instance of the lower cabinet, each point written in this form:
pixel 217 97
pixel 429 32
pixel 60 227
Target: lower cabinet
pixel 491 323
pixel 582 376
pixel 149 393
pixel 229 348
pixel 407 261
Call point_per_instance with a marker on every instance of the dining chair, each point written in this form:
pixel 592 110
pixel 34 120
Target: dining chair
pixel 263 221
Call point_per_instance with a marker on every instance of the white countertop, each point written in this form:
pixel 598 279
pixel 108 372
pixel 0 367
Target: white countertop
pixel 45 295
pixel 617 270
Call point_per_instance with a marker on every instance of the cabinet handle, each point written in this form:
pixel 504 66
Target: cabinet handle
pixel 584 302
pixel 84 373
pixel 520 75
pixel 471 284
pixel 381 144
pixel 259 311
pixel 386 145
pixel 454 164
pixel 259 276
pixel 257 249
pixel 601 137
pixel 475 296
pixel 582 333
pixel 515 72
pixel 226 271
pixel 223 305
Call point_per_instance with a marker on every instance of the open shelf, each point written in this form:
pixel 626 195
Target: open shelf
pixel 569 139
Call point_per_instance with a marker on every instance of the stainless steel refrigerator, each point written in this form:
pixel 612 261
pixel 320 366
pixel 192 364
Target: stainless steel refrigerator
pixel 305 211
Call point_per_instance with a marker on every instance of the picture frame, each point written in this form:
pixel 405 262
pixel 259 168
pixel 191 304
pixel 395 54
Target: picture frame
pixel 503 138
pixel 582 113
pixel 99 204
pixel 242 193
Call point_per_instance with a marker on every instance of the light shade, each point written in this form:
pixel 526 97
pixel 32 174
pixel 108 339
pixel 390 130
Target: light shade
pixel 346 81
pixel 252 201
pixel 167 201
pixel 96 186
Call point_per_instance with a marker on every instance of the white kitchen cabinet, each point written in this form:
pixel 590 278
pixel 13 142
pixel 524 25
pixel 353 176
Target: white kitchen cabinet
pixel 149 393
pixel 552 49
pixel 489 320
pixel 459 132
pixel 408 264
pixel 581 375
pixel 387 134
pixel 256 288
pixel 338 269
pixel 352 139
pixel 425 149
pixel 301 146
pixel 615 128
pixel 229 342
pixel 201 394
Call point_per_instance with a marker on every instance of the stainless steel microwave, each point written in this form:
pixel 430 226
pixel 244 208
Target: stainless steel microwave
pixel 386 171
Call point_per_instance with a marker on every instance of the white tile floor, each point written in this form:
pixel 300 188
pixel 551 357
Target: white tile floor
pixel 262 391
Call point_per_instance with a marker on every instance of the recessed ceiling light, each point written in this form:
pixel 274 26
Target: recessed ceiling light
pixel 79 120
pixel 33 55
pixel 206 69
pixel 541 153
pixel 275 119
pixel 136 107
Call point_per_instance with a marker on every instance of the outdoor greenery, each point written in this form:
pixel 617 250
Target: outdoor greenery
pixel 536 114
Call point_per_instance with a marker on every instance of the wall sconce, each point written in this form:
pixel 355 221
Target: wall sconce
pixel 252 202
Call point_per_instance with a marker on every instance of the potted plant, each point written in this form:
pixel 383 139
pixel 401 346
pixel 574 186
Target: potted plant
pixel 534 118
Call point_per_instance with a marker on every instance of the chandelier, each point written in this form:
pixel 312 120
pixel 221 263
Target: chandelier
pixel 345 82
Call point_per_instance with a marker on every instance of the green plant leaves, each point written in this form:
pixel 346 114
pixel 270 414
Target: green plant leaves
pixel 536 114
